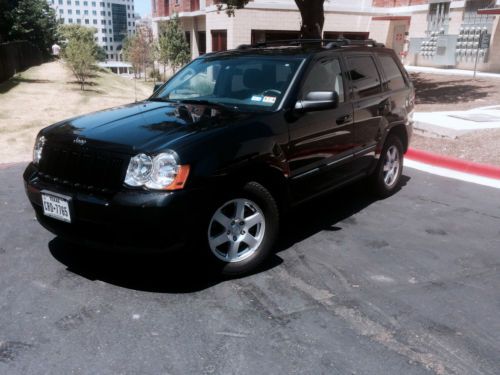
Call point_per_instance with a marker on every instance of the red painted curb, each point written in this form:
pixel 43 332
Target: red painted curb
pixel 483 170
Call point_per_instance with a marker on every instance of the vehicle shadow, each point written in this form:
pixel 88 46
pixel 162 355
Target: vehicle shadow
pixel 183 272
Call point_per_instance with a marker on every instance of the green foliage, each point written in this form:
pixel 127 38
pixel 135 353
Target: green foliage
pixel 311 11
pixel 6 7
pixel 231 5
pixel 80 51
pixel 138 50
pixel 173 47
pixel 34 21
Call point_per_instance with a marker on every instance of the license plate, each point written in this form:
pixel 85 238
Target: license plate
pixel 56 206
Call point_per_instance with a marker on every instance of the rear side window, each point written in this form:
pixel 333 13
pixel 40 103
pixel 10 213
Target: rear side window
pixel 364 76
pixel 395 80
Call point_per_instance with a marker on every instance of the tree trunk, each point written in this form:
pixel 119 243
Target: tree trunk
pixel 313 18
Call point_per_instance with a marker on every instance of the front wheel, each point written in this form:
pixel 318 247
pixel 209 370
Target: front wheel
pixel 242 230
pixel 387 176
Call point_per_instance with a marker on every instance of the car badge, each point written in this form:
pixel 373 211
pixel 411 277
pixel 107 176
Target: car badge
pixel 80 141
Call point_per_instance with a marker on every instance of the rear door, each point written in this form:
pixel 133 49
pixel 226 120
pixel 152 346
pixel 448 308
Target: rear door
pixel 321 141
pixel 369 103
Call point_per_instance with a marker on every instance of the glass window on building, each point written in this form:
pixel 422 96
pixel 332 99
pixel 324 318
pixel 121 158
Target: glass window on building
pixel 103 31
pixel 60 2
pixel 85 3
pixel 87 22
pixel 78 21
pixel 94 22
pixel 61 11
pixel 86 12
pixel 94 12
pixel 219 40
pixel 70 11
pixel 103 13
pixel 93 3
pixel 111 48
pixel 68 2
pixel 104 39
pixel 438 18
pixel 77 11
pixel 70 20
pixel 77 3
pixel 102 4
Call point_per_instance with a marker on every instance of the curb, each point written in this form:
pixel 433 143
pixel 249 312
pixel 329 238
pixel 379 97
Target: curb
pixel 459 165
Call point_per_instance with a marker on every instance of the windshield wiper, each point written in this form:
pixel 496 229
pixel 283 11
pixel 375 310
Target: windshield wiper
pixel 158 99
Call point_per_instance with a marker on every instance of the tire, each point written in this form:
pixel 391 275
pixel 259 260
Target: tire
pixel 386 179
pixel 242 230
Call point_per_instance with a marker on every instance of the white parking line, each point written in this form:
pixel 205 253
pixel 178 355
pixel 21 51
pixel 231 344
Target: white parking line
pixel 445 172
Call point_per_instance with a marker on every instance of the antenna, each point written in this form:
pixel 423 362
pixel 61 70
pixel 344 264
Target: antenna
pixel 135 87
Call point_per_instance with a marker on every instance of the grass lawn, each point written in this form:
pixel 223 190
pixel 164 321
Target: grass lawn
pixel 48 93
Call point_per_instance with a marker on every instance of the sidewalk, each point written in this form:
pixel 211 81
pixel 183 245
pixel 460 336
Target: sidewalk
pixel 451 72
pixel 452 124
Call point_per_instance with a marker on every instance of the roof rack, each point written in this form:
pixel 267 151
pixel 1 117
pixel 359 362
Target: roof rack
pixel 327 43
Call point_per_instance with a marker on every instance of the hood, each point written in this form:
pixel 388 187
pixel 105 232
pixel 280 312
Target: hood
pixel 139 127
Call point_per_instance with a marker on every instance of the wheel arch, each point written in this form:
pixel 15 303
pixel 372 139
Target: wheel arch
pixel 400 131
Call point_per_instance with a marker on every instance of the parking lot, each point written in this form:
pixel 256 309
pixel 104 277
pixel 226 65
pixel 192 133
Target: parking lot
pixel 407 285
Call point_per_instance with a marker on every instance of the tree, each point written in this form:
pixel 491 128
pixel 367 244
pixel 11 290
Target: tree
pixel 6 7
pixel 79 50
pixel 311 11
pixel 138 49
pixel 173 45
pixel 34 21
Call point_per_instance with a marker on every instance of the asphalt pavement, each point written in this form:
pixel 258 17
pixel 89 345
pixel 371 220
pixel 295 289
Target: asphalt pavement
pixel 406 285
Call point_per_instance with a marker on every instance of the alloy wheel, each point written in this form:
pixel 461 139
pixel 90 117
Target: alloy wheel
pixel 392 164
pixel 236 230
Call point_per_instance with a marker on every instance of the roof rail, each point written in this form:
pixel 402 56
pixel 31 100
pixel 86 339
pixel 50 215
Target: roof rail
pixel 327 43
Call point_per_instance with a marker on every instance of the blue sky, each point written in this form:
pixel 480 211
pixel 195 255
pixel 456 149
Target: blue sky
pixel 143 7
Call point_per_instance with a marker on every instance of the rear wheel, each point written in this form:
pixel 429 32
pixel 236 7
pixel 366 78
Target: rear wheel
pixel 243 229
pixel 387 176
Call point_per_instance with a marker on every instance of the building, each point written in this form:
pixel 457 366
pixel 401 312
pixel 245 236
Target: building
pixel 113 19
pixel 423 32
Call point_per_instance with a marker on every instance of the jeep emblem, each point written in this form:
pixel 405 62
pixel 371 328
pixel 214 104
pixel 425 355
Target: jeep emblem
pixel 80 141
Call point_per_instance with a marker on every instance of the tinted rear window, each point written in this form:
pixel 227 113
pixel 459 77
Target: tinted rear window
pixel 395 80
pixel 364 76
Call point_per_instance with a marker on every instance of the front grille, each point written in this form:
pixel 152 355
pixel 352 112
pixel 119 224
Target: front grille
pixel 82 168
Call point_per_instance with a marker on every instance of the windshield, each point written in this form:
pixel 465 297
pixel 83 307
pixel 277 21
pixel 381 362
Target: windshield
pixel 248 82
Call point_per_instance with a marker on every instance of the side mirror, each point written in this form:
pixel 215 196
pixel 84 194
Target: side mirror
pixel 157 86
pixel 318 101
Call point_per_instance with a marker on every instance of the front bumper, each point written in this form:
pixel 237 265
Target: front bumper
pixel 125 220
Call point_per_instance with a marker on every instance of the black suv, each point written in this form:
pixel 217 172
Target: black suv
pixel 218 153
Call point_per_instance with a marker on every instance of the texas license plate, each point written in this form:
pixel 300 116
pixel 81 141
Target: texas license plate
pixel 56 206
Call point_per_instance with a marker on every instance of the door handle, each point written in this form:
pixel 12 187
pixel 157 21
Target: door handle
pixel 344 119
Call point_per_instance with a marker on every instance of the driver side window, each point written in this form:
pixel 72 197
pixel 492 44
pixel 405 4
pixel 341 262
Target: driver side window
pixel 325 75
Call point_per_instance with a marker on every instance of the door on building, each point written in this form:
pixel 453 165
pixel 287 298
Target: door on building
pixel 202 42
pixel 219 40
pixel 398 39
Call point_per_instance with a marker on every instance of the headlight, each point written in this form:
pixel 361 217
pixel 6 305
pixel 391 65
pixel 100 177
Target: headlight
pixel 163 172
pixel 139 170
pixel 37 150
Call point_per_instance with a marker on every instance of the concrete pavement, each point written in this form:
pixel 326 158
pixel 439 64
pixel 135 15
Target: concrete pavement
pixel 407 285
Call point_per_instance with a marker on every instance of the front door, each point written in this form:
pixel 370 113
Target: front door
pixel 321 142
